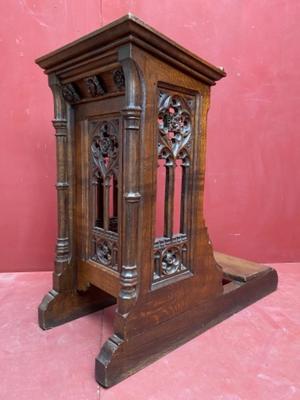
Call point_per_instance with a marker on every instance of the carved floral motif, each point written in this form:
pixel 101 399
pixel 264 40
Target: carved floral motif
pixel 105 148
pixel 95 86
pixel 170 257
pixel 174 125
pixel 119 79
pixel 103 253
pixel 70 93
pixel 170 261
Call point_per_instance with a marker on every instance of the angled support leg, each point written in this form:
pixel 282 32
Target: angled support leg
pixel 247 282
pixel 65 302
pixel 57 308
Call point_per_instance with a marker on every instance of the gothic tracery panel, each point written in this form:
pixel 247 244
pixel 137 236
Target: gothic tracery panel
pixel 104 149
pixel 174 124
pixel 174 144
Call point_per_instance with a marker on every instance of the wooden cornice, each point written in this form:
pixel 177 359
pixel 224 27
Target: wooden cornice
pixel 129 29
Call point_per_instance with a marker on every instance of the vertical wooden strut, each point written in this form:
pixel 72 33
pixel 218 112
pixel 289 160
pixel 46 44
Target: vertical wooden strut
pixel 62 258
pixel 131 182
pixel 184 194
pixel 115 196
pixel 106 189
pixel 169 197
pixel 64 303
pixel 99 203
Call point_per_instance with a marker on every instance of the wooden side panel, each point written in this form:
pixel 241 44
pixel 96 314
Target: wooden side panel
pixel 154 305
pixel 98 127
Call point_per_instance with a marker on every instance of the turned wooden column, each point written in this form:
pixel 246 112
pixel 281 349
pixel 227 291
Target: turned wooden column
pixel 63 275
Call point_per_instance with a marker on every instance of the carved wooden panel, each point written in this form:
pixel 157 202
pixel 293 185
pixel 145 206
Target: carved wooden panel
pixel 174 146
pixel 108 83
pixel 104 175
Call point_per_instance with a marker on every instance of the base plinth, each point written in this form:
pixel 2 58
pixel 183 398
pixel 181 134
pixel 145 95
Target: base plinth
pixel 247 282
pixel 58 308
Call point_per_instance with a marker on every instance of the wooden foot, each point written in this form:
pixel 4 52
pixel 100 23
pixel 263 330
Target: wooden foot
pixel 247 282
pixel 58 308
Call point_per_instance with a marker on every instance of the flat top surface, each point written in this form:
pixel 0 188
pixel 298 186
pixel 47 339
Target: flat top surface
pixel 254 355
pixel 128 26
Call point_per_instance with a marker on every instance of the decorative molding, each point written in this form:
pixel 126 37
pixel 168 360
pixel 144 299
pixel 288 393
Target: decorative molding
pixel 119 79
pixel 163 242
pixel 95 86
pixel 130 76
pixel 70 93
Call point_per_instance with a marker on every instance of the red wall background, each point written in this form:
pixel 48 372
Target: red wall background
pixel 252 182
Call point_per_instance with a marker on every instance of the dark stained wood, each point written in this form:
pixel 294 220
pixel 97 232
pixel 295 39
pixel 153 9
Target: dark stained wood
pixel 238 269
pixel 126 97
pixel 113 364
pixel 169 201
pixel 129 28
pixel 98 275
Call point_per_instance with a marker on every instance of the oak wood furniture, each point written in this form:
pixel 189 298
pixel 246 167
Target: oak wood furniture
pixel 130 119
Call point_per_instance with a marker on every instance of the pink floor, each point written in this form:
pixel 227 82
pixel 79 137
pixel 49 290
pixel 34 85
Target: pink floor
pixel 251 356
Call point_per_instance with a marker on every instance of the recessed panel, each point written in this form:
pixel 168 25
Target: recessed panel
pixel 175 127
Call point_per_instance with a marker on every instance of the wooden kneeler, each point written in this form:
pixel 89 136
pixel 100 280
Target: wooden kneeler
pixel 130 120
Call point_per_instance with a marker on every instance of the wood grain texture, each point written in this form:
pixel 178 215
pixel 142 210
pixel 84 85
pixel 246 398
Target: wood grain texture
pixel 239 269
pixel 125 97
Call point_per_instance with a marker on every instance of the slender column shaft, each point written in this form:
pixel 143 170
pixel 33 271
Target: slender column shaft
pixel 169 200
pixel 184 198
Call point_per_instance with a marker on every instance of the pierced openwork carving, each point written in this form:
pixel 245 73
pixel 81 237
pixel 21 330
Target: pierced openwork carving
pixel 70 93
pixel 95 86
pixel 105 249
pixel 105 148
pixel 169 260
pixel 119 78
pixel 174 124
pixel 174 132
pixel 103 252
pixel 104 190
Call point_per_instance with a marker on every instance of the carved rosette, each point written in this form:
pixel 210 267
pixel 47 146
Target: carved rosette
pixel 105 249
pixel 170 257
pixel 170 262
